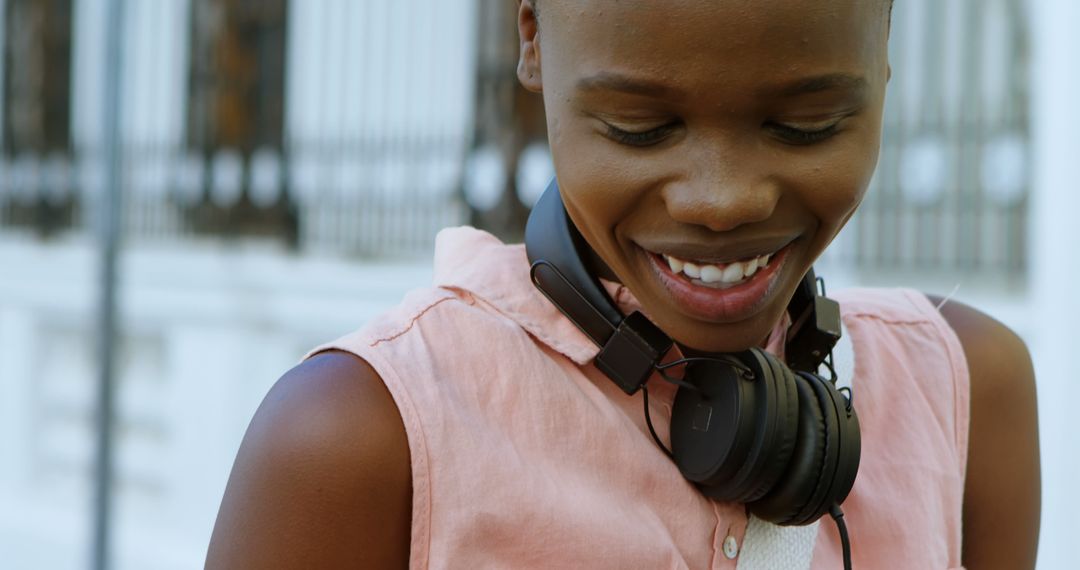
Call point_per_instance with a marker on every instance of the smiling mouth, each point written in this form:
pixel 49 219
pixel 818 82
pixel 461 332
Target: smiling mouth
pixel 719 291
pixel 717 275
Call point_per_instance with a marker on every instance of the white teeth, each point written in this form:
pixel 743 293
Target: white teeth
pixel 730 274
pixel 711 274
pixel 733 273
pixel 675 264
pixel 750 267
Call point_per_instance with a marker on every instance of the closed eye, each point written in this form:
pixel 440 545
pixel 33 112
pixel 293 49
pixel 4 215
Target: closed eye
pixel 639 138
pixel 802 137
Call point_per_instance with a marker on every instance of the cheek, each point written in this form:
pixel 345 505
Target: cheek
pixel 603 199
pixel 599 190
pixel 591 198
pixel 837 186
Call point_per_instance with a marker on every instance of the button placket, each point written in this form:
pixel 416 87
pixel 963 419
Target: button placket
pixel 731 547
pixel 732 519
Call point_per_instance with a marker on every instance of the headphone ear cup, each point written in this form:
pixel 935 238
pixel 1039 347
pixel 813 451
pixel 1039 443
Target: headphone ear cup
pixel 850 447
pixel 785 443
pixel 711 427
pixel 734 436
pixel 809 470
pixel 777 412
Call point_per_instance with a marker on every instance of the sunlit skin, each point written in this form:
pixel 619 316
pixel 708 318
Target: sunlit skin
pixel 710 130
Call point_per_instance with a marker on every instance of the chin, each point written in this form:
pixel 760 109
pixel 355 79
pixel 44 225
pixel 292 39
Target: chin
pixel 730 337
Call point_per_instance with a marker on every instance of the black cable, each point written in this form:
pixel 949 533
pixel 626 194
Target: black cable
pixel 841 527
pixel 676 381
pixel 741 368
pixel 849 398
pixel 828 362
pixel 648 421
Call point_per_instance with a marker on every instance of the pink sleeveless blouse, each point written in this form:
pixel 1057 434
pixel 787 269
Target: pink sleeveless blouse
pixel 525 456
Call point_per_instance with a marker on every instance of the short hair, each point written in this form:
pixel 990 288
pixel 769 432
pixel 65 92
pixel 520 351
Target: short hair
pixel 536 10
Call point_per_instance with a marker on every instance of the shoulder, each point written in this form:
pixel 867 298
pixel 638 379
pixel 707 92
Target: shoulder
pixel 322 478
pixel 890 305
pixel 1002 480
pixel 1002 376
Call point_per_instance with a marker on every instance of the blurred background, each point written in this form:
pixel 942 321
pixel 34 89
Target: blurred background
pixel 284 165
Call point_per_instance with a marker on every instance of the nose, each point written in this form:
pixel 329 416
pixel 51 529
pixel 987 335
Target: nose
pixel 722 197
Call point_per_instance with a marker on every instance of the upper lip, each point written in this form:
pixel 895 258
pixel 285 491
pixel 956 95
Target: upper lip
pixel 720 253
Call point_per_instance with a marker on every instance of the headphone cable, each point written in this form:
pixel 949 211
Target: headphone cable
pixel 648 422
pixel 841 527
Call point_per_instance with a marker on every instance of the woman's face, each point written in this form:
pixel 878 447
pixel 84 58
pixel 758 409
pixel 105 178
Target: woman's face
pixel 710 150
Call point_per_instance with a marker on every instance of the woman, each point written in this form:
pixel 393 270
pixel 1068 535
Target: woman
pixel 467 427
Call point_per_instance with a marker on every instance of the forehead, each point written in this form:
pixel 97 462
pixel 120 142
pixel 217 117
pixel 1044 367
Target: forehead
pixel 690 42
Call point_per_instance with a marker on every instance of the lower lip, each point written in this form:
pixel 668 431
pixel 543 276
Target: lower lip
pixel 722 305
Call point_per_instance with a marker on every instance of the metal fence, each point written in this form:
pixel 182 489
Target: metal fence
pixel 384 102
pixel 356 147
pixel 951 191
pixel 364 198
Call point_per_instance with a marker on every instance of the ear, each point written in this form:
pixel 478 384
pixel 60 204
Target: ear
pixel 528 69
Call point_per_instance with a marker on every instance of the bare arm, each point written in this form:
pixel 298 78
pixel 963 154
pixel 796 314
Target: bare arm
pixel 1002 493
pixel 322 478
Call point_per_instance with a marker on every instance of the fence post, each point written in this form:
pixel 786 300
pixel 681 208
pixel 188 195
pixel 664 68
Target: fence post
pixel 507 116
pixel 109 232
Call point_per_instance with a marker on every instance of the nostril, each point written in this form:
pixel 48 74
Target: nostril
pixel 721 209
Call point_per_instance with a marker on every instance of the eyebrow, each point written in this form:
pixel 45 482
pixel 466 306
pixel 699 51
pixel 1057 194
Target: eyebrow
pixel 817 84
pixel 606 80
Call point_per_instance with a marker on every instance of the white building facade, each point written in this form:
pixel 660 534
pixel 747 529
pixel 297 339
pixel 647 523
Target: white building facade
pixel 376 126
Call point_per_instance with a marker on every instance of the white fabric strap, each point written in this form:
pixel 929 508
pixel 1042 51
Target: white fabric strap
pixel 767 546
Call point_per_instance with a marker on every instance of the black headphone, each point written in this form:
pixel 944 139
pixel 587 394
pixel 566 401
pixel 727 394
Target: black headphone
pixel 745 427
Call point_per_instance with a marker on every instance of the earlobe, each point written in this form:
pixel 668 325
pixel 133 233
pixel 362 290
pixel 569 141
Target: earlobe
pixel 528 69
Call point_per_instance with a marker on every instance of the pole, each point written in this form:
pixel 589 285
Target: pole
pixel 109 228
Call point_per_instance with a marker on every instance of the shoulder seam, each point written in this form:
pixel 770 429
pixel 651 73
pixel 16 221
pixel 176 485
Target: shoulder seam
pixel 918 316
pixel 891 321
pixel 412 321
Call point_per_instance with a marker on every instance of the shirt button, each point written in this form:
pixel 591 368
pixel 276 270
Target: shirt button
pixel 731 547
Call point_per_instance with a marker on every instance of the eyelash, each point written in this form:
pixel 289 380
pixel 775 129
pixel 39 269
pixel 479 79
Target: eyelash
pixel 789 135
pixel 640 139
pixel 802 137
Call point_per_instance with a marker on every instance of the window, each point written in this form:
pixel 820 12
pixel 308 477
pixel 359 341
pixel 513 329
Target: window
pixel 37 75
pixel 236 116
pixel 237 74
pixel 36 125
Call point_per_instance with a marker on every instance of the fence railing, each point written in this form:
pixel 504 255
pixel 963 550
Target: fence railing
pixel 361 198
pixel 381 176
pixel 363 120
pixel 951 190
